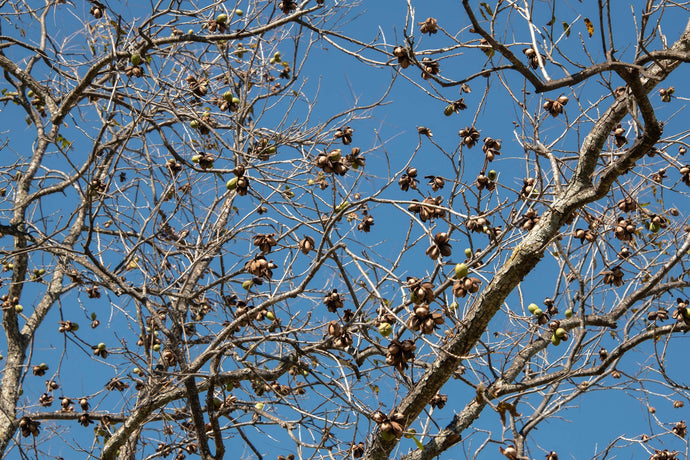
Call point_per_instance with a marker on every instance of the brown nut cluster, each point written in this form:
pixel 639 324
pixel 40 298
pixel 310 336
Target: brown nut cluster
pixel 624 253
pixel 463 286
pixel 491 148
pixel 262 149
pixel 265 242
pixel 393 425
pixel 439 400
pixel 344 134
pixel 68 326
pixel 421 292
pixel 333 301
pixel 613 277
pixel 342 338
pixel 625 229
pixel 46 400
pixel 357 450
pixel 260 267
pixel 469 136
pixel 260 387
pixel 116 384
pixel 279 389
pixel 97 11
pixel 307 244
pixel 657 222
pixel 619 136
pixel 366 223
pixel 436 182
pixel 40 369
pixel 287 6
pixel 100 350
pixel 555 107
pixel 659 315
pixel 403 56
pixel 198 87
pixel 173 166
pixel 529 187
pixel 93 292
pixel 585 235
pixel 664 455
pixel 39 104
pixel 239 183
pixel 332 162
pixel 423 320
pixel 204 160
pixel 29 426
pixel 423 130
pixel 485 182
pixel 685 174
pixel 134 71
pixel 428 209
pixel 440 246
pixel 477 223
pixel 529 220
pixel 98 187
pixel 354 159
pixel 430 67
pixel 627 204
pixel 400 353
pixel 682 312
pixel 532 57
pixel 430 26
pixel 455 107
pixel 85 420
pixel 667 93
pixel 224 104
pixel 658 176
pixel 384 317
pixel 408 180
pixel 214 25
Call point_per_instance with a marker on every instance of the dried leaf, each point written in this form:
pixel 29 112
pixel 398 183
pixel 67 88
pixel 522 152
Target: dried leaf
pixel 502 407
pixel 590 27
pixel 487 8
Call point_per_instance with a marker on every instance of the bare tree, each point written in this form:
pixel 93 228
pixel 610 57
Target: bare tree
pixel 258 283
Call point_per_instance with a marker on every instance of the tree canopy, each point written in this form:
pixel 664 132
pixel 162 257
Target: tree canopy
pixel 327 229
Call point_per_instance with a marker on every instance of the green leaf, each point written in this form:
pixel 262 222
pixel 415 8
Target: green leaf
pixel 566 29
pixel 419 443
pixel 552 21
pixel 64 143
